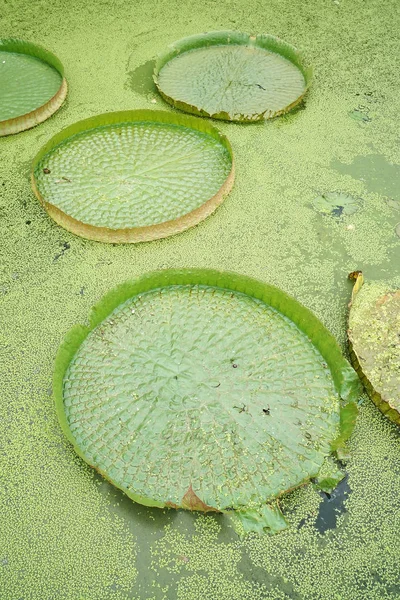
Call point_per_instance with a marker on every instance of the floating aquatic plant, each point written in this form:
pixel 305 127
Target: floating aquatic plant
pixel 232 76
pixel 207 391
pixel 336 204
pixel 32 85
pixel 374 337
pixel 133 176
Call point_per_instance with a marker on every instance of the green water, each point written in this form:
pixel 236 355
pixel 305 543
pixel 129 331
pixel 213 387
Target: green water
pixel 141 79
pixel 65 533
pixel 375 171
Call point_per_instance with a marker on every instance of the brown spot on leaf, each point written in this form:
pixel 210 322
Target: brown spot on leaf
pixel 191 501
pixel 383 299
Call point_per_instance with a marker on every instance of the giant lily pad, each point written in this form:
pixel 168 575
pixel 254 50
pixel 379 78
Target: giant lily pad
pixel 374 336
pixel 32 85
pixel 232 76
pixel 133 176
pixel 206 391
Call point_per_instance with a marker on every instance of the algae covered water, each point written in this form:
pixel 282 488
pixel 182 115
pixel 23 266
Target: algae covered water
pixel 65 532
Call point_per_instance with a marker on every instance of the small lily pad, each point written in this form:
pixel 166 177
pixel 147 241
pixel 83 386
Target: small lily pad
pixel 232 76
pixel 336 204
pixel 329 476
pixel 360 114
pixel 32 85
pixel 133 176
pixel 206 391
pixel 393 204
pixel 374 337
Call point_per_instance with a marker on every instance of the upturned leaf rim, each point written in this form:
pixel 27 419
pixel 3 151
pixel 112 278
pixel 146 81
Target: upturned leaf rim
pixel 226 37
pixel 40 114
pixel 383 404
pixel 345 379
pixel 144 233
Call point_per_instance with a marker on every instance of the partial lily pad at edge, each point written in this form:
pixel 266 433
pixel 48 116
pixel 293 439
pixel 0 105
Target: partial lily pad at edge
pixel 374 340
pixel 32 85
pixel 232 76
pixel 226 393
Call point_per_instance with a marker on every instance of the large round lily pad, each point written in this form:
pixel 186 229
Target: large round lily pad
pixel 232 76
pixel 374 336
pixel 206 391
pixel 133 176
pixel 32 85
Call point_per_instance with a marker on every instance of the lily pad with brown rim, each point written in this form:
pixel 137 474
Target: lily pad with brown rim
pixel 133 176
pixel 32 85
pixel 374 339
pixel 232 76
pixel 207 391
